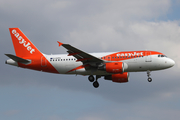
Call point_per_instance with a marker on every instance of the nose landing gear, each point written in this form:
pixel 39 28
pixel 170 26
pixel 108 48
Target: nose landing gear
pixel 95 83
pixel 149 78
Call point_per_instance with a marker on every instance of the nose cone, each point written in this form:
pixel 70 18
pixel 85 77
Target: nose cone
pixel 171 62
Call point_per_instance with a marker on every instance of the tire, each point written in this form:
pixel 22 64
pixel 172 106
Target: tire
pixel 91 78
pixel 149 79
pixel 96 84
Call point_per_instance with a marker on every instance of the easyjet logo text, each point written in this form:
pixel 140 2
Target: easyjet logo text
pixel 23 42
pixel 131 54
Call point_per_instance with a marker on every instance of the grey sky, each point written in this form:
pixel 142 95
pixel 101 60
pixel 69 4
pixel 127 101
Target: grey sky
pixel 92 26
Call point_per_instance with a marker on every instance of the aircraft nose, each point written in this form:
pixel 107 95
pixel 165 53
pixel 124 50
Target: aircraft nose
pixel 171 62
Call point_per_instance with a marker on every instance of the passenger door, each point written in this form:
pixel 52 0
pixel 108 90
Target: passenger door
pixel 148 57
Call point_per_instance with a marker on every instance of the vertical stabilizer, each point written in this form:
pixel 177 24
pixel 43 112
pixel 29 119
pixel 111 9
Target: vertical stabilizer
pixel 27 55
pixel 22 45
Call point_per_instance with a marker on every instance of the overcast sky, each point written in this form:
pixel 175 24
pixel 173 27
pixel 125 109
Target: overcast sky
pixel 92 26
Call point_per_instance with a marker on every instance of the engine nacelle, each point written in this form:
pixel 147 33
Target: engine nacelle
pixel 114 67
pixel 119 78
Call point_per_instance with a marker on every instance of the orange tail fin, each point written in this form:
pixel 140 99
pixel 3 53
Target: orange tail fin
pixel 26 52
pixel 22 45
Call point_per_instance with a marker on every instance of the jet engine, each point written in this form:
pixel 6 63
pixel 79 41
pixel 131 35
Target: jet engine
pixel 119 78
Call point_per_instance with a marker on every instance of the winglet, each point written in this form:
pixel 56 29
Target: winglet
pixel 59 43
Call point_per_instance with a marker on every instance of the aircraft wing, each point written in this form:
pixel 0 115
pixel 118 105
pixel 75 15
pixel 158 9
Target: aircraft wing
pixel 80 55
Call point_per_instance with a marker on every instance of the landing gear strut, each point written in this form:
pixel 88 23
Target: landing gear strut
pixel 95 83
pixel 149 78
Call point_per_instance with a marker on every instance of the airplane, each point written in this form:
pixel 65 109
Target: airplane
pixel 113 66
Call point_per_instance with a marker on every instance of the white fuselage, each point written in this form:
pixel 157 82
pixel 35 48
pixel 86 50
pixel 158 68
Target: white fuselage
pixel 64 63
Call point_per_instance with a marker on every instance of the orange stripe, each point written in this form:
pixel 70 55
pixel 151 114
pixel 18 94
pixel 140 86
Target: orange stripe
pixel 70 54
pixel 128 55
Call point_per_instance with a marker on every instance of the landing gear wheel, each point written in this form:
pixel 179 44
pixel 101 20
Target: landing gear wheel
pixel 96 84
pixel 149 79
pixel 91 78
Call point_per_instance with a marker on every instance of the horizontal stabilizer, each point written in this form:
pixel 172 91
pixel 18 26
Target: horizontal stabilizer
pixel 18 59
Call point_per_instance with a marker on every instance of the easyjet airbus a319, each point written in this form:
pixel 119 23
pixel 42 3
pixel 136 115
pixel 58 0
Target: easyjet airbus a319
pixel 114 66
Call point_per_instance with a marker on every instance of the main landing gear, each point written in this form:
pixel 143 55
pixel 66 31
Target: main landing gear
pixel 149 78
pixel 95 83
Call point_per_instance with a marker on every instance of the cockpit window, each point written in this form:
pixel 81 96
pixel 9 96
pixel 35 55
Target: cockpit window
pixel 162 56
